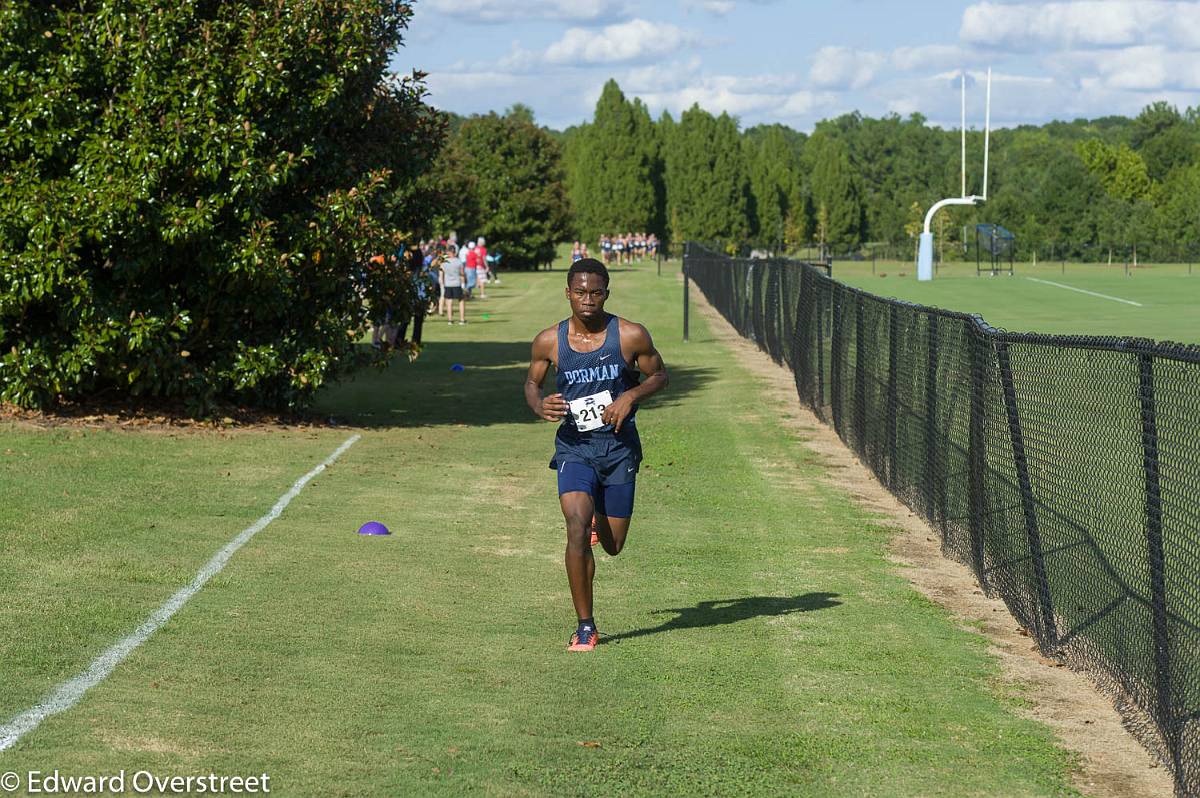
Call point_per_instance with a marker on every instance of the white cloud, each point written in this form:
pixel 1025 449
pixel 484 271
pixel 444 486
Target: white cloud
pixel 517 11
pixel 1081 25
pixel 931 56
pixel 1145 68
pixel 677 86
pixel 662 77
pixel 518 60
pixel 844 68
pixel 718 7
pixel 448 83
pixel 635 40
pixel 1016 99
pixel 802 103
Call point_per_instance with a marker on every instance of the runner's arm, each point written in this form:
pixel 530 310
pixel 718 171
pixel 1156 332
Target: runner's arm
pixel 649 362
pixel 552 407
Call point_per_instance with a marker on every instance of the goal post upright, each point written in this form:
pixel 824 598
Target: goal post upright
pixel 925 248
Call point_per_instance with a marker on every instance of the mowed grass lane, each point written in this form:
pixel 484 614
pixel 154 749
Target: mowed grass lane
pixel 756 640
pixel 1167 294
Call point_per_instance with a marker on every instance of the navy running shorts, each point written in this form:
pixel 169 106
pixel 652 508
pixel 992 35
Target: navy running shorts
pixel 612 501
pixel 614 457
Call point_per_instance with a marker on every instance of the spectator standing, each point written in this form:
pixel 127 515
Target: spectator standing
pixel 434 261
pixel 452 277
pixel 471 263
pixel 482 264
pixel 493 264
pixel 483 272
pixel 383 332
pixel 419 272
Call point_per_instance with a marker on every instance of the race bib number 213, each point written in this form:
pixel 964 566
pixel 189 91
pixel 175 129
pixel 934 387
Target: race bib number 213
pixel 588 410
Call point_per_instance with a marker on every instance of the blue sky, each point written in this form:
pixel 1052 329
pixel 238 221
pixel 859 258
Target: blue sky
pixel 802 61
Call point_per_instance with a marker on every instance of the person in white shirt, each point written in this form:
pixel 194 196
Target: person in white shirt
pixel 451 278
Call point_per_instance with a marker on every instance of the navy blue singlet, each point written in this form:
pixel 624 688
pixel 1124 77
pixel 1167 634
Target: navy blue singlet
pixel 615 456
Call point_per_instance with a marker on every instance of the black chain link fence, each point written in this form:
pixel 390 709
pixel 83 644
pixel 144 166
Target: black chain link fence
pixel 1064 470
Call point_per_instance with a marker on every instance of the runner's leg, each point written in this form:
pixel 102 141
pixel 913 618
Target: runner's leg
pixel 612 533
pixel 577 508
pixel 614 512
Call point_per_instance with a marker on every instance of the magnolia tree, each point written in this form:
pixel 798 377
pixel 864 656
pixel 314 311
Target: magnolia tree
pixel 191 193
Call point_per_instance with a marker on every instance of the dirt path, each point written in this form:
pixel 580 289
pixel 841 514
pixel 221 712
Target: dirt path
pixel 1112 763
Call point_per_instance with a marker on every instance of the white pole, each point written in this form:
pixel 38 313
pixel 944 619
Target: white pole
pixel 963 100
pixel 987 130
pixel 925 242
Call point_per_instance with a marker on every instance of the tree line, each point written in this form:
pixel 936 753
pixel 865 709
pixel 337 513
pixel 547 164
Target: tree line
pixel 1086 190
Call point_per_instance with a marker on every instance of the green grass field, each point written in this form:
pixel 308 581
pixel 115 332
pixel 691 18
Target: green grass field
pixel 1166 295
pixel 757 641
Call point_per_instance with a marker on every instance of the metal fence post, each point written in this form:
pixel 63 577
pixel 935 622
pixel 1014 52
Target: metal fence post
pixel 859 415
pixel 837 343
pixel 787 321
pixel 818 340
pixel 1049 627
pixel 977 453
pixel 801 342
pixel 1154 541
pixel 933 505
pixel 892 401
pixel 687 250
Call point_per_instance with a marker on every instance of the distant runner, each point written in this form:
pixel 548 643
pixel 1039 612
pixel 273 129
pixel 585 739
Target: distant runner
pixel 597 451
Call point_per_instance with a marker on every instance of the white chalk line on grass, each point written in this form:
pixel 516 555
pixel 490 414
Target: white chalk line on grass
pixel 67 694
pixel 1084 291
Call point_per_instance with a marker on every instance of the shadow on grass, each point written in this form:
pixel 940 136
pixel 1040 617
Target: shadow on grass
pixel 488 390
pixel 723 611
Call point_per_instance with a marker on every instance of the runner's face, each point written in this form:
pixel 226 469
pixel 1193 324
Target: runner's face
pixel 587 294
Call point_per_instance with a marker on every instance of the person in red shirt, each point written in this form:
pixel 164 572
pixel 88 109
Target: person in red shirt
pixel 470 263
pixel 481 262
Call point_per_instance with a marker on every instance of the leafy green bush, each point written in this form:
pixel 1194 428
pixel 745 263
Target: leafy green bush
pixel 190 192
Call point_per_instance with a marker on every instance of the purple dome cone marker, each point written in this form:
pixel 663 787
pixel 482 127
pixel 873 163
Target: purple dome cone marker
pixel 373 528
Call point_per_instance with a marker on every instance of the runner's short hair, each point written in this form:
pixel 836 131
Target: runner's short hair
pixel 590 266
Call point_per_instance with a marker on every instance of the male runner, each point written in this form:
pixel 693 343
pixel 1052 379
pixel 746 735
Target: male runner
pixel 597 450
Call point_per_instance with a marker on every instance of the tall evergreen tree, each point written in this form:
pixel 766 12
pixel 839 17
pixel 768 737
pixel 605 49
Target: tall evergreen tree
pixel 708 188
pixel 835 190
pixel 774 168
pixel 573 142
pixel 665 132
pixel 613 168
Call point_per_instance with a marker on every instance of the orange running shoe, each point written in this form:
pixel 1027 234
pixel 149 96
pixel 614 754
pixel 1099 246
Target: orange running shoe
pixel 595 534
pixel 584 639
